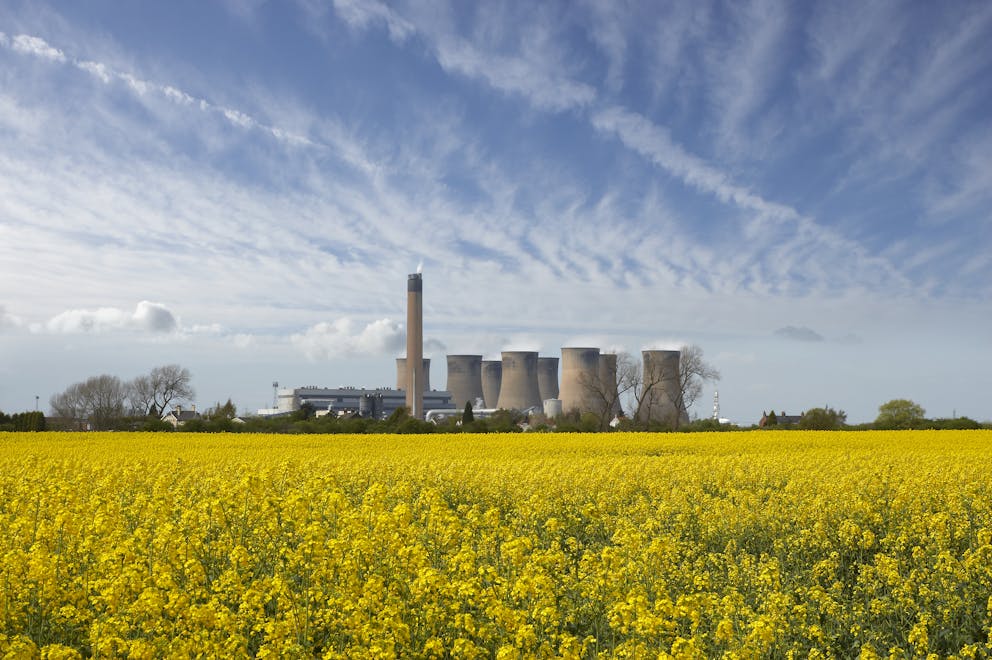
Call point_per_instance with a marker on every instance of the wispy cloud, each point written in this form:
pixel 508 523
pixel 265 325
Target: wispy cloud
pixel 30 45
pixel 38 47
pixel 799 333
pixel 9 321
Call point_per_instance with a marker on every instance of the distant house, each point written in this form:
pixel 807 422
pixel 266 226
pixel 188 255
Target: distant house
pixel 781 419
pixel 177 416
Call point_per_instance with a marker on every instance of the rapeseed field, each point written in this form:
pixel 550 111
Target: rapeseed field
pixel 734 545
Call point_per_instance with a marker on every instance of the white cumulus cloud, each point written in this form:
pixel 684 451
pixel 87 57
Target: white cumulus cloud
pixel 347 338
pixel 147 317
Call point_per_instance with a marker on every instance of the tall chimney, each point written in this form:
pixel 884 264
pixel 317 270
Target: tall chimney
pixel 415 345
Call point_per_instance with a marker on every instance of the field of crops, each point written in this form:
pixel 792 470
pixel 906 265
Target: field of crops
pixel 738 545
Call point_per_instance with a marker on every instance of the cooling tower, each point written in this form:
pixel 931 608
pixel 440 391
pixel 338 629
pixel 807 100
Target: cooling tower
pixel 662 393
pixel 608 382
pixel 518 388
pixel 580 389
pixel 547 377
pixel 415 345
pixel 401 374
pixel 465 379
pixel 492 376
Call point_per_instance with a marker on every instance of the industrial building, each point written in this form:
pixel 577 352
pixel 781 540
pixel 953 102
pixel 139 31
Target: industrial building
pixel 373 403
pixel 521 380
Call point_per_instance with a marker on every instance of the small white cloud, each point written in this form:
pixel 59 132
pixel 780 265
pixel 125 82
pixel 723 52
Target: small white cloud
pixel 522 343
pixel 665 345
pixel 434 347
pixel 9 321
pixel 238 118
pixel 154 317
pixel 139 86
pixel 177 95
pixel 96 69
pixel 361 14
pixel 242 340
pixel 345 338
pixel 587 341
pixel 147 317
pixel 799 334
pixel 24 43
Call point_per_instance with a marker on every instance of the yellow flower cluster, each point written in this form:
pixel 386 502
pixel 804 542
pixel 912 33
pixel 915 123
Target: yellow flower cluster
pixel 734 545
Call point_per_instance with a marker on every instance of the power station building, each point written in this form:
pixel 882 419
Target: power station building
pixel 376 403
pixel 521 380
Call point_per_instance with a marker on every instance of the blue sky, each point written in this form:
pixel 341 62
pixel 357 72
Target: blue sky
pixel 241 187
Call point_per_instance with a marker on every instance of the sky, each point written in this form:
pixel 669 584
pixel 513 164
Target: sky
pixel 241 187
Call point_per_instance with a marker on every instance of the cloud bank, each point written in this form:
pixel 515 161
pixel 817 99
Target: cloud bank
pixel 346 338
pixel 147 317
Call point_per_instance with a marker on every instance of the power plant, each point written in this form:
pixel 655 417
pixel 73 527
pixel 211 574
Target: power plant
pixel 580 380
pixel 521 380
pixel 402 375
pixel 465 379
pixel 662 400
pixel 415 345
pixel 547 377
pixel 519 389
pixel 492 376
pixel 608 382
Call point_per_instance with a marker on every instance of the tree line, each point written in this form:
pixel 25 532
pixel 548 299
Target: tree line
pixel 103 403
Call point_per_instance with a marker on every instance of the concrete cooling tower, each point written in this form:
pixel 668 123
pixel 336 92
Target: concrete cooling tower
pixel 465 379
pixel 547 377
pixel 580 380
pixel 519 389
pixel 402 374
pixel 663 398
pixel 608 381
pixel 492 376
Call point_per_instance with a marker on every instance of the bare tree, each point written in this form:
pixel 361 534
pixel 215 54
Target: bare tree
pixel 141 397
pixel 98 401
pixel 607 389
pixel 693 372
pixel 656 398
pixel 170 383
pixel 105 398
pixel 69 406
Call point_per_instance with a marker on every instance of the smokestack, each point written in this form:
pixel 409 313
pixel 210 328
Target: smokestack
pixel 663 400
pixel 580 388
pixel 415 345
pixel 402 375
pixel 492 376
pixel 518 388
pixel 465 379
pixel 547 377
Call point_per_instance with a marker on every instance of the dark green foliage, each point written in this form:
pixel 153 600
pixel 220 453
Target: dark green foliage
pixel 823 419
pixel 771 419
pixel 900 414
pixel 23 421
pixel 468 417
